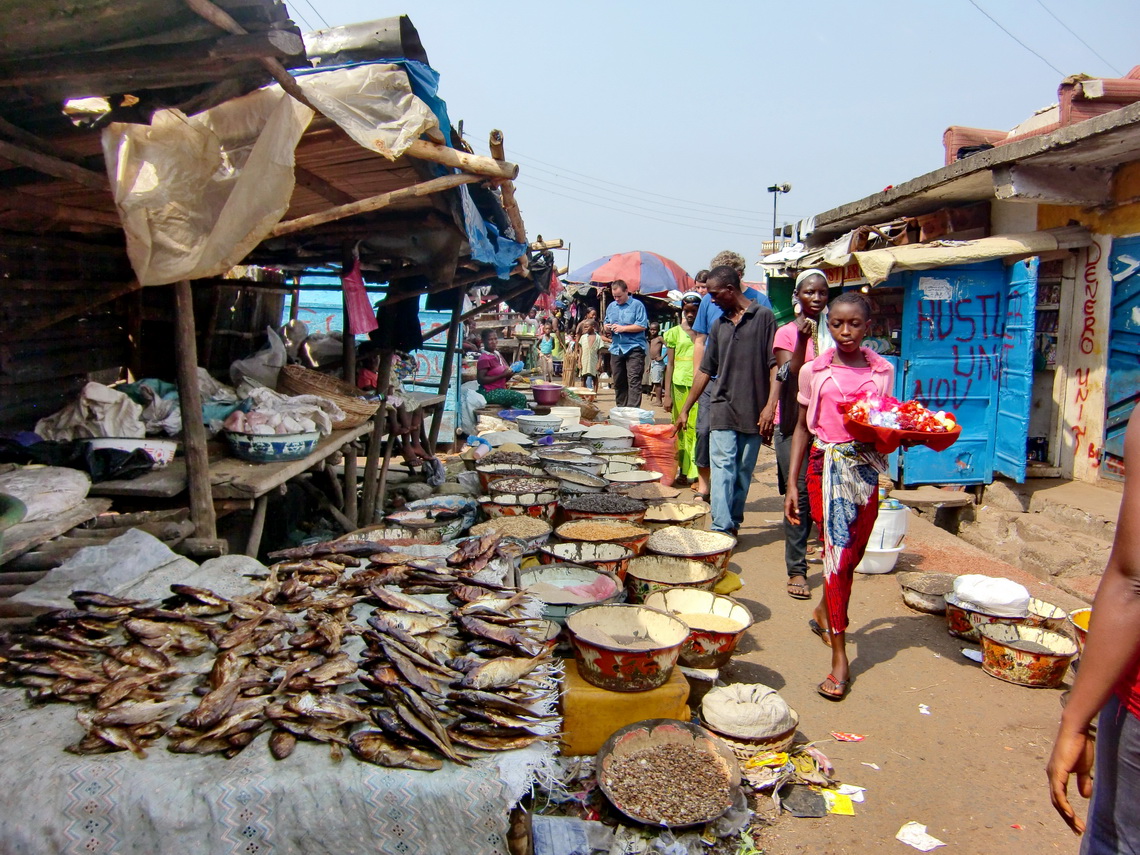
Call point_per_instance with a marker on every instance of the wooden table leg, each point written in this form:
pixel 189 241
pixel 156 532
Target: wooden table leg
pixel 253 544
pixel 350 485
pixel 388 446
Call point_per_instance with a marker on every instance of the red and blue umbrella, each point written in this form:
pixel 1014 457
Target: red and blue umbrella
pixel 644 272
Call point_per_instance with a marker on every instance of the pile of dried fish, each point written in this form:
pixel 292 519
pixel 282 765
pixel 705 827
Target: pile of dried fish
pixel 335 648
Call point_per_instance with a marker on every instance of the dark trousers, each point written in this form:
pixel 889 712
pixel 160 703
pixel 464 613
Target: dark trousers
pixel 626 370
pixel 795 536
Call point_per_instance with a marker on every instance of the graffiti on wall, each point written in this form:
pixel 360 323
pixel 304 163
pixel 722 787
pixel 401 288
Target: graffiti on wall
pixel 974 328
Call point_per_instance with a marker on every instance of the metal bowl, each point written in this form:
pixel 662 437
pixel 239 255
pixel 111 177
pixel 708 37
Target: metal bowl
pixel 1079 621
pixel 648 574
pixel 706 646
pixel 625 648
pixel 604 556
pixel 647 734
pixel 1026 655
pixel 272 447
pixel 926 592
pixel 558 607
pixel 718 551
pixel 636 542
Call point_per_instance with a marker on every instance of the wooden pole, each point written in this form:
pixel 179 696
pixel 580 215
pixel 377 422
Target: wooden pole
pixel 256 526
pixel 447 370
pixel 348 340
pixel 350 485
pixel 507 189
pixel 295 298
pixel 495 167
pixel 373 203
pixel 53 166
pixel 383 381
pixel 193 431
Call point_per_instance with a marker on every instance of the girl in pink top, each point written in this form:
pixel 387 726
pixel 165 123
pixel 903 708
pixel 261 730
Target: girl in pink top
pixel 842 475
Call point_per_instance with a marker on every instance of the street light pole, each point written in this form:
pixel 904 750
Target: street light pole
pixel 776 190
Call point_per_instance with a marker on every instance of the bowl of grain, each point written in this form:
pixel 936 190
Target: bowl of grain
pixel 523 490
pixel 494 509
pixel 648 574
pixel 712 547
pixel 634 476
pixel 573 481
pixel 575 457
pixel 625 648
pixel 489 472
pixel 603 506
pixel 610 531
pixel 531 532
pixel 716 624
pixel 674 513
pixel 663 772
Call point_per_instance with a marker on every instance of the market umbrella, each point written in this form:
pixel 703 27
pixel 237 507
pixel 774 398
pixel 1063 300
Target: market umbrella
pixel 645 272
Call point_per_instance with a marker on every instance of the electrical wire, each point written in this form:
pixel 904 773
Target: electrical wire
pixel 543 182
pixel 597 204
pixel 1111 67
pixel 295 13
pixel 317 13
pixel 524 157
pixel 1015 38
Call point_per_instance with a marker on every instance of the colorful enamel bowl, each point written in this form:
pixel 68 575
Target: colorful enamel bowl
pixel 716 624
pixel 625 648
pixel 1026 655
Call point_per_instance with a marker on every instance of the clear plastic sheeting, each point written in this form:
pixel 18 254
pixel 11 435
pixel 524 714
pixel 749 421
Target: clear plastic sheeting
pixel 373 104
pixel 196 194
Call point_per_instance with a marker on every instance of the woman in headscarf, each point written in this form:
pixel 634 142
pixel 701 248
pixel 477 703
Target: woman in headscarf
pixel 793 346
pixel 842 474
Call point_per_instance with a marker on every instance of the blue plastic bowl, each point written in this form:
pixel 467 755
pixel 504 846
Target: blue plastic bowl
pixel 511 415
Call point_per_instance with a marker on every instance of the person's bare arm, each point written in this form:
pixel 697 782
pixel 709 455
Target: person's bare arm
pixel 1113 644
pixel 672 354
pixel 767 421
pixel 800 440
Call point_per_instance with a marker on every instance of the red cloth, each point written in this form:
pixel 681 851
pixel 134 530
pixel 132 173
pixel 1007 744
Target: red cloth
pixel 366 379
pixel 837 585
pixel 360 316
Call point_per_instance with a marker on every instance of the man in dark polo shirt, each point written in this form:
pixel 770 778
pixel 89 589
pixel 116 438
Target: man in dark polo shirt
pixel 739 355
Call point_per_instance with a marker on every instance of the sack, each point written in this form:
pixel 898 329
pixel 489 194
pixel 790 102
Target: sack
pixel 262 368
pixel 1002 597
pixel 361 315
pixel 751 711
pixel 658 446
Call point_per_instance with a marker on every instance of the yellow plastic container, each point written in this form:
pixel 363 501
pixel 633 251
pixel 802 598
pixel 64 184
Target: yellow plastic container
pixel 591 715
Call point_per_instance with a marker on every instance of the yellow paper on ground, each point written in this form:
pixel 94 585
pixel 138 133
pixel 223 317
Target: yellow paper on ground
pixel 838 803
pixel 728 583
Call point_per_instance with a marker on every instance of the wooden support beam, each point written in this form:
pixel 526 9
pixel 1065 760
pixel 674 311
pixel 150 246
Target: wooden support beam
pixel 54 166
pixel 482 307
pixel 373 203
pixel 476 164
pixel 29 140
pixel 446 371
pixel 193 431
pixel 507 189
pixel 78 68
pixel 350 485
pixel 379 425
pixel 27 330
pixel 541 245
pixel 14 200
pixel 312 181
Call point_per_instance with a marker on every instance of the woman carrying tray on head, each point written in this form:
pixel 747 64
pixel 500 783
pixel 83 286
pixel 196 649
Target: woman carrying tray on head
pixel 842 474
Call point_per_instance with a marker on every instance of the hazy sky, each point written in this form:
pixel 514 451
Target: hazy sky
pixel 659 126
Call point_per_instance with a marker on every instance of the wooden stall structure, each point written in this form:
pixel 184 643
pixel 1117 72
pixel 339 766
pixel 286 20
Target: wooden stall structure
pixel 71 308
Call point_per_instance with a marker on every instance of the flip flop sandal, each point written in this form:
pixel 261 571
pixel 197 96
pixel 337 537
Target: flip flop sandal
pixel 844 686
pixel 814 626
pixel 704 497
pixel 799 590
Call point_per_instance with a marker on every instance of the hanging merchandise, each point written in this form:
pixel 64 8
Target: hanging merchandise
pixel 360 315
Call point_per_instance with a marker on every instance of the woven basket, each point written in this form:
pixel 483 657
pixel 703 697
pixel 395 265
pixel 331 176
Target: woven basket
pixel 295 380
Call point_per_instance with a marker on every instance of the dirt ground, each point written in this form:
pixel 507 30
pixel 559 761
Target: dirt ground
pixel 972 770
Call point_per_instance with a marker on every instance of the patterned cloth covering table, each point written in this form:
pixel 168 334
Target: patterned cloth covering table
pixel 118 804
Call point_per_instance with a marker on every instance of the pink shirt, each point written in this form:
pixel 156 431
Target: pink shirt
pixel 786 340
pixel 492 362
pixel 824 384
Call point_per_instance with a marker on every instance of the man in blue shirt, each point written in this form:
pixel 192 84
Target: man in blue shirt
pixel 707 315
pixel 626 322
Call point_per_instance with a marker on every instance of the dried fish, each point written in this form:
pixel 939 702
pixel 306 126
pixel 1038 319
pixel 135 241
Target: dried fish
pixel 501 635
pixel 281 744
pixel 501 672
pixel 373 746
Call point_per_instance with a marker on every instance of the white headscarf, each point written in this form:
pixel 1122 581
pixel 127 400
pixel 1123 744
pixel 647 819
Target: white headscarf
pixel 823 340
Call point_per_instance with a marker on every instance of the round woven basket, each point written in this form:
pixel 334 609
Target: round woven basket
pixel 295 380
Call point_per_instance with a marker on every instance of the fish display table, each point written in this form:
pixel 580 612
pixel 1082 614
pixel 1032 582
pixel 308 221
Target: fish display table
pixel 117 804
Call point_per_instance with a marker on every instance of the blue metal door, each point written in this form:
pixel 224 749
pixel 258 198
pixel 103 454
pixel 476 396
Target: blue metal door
pixel 952 343
pixel 1015 381
pixel 1122 389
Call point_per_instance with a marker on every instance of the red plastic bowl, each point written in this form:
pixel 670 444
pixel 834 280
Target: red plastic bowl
pixel 887 439
pixel 546 394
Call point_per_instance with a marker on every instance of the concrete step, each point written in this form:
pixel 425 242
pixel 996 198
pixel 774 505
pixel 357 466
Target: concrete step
pixel 1082 518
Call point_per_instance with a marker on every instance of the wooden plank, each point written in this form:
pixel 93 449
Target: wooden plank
pixel 53 166
pixel 24 203
pixel 933 496
pixel 25 536
pixel 476 164
pixel 165 483
pixel 236 479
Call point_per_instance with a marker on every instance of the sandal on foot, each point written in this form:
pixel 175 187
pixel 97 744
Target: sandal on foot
pixel 814 626
pixel 799 590
pixel 841 688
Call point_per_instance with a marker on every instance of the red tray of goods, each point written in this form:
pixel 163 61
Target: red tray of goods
pixel 937 431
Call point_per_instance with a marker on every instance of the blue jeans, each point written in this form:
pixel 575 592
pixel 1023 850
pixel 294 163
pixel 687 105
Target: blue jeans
pixel 1113 824
pixel 732 456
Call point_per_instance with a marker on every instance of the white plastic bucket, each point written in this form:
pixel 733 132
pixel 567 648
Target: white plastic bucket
pixel 878 560
pixel 890 526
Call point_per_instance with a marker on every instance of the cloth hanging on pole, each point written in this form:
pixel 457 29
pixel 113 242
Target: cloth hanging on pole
pixel 361 318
